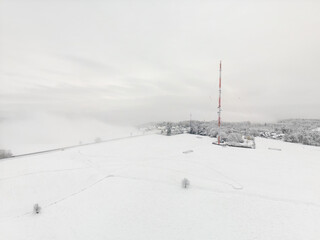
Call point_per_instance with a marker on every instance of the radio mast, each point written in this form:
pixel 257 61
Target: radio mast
pixel 219 108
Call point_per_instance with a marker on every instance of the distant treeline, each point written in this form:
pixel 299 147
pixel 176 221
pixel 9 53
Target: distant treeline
pixel 305 131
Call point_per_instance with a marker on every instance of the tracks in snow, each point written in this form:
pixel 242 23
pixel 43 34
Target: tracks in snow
pixel 65 197
pixel 42 172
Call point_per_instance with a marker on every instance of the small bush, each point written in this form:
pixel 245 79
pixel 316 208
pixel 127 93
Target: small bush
pixel 36 208
pixel 185 183
pixel 5 153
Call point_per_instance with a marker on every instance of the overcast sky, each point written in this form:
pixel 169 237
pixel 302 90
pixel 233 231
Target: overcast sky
pixel 140 61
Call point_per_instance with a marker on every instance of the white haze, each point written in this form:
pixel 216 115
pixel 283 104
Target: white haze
pixel 90 63
pixel 44 131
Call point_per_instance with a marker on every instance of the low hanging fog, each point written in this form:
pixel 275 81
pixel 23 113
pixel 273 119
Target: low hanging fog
pixel 44 131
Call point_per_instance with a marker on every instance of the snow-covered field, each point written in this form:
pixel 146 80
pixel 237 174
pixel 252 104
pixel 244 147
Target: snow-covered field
pixel 131 189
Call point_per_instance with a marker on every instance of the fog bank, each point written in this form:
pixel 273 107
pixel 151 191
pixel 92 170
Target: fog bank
pixel 45 131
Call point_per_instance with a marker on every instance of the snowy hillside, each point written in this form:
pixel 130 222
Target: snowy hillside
pixel 131 189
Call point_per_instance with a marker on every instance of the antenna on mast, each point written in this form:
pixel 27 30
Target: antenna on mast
pixel 219 108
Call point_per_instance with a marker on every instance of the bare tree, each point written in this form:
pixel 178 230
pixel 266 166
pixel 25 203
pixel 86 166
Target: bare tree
pixel 185 183
pixel 36 208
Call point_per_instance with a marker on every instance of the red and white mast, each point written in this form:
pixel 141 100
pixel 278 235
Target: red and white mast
pixel 219 108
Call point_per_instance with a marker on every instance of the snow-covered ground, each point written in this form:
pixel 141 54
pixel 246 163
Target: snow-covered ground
pixel 131 189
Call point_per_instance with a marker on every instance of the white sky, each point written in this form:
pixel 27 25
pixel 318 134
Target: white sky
pixel 140 61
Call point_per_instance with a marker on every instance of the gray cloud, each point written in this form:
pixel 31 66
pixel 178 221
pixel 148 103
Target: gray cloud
pixel 140 61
